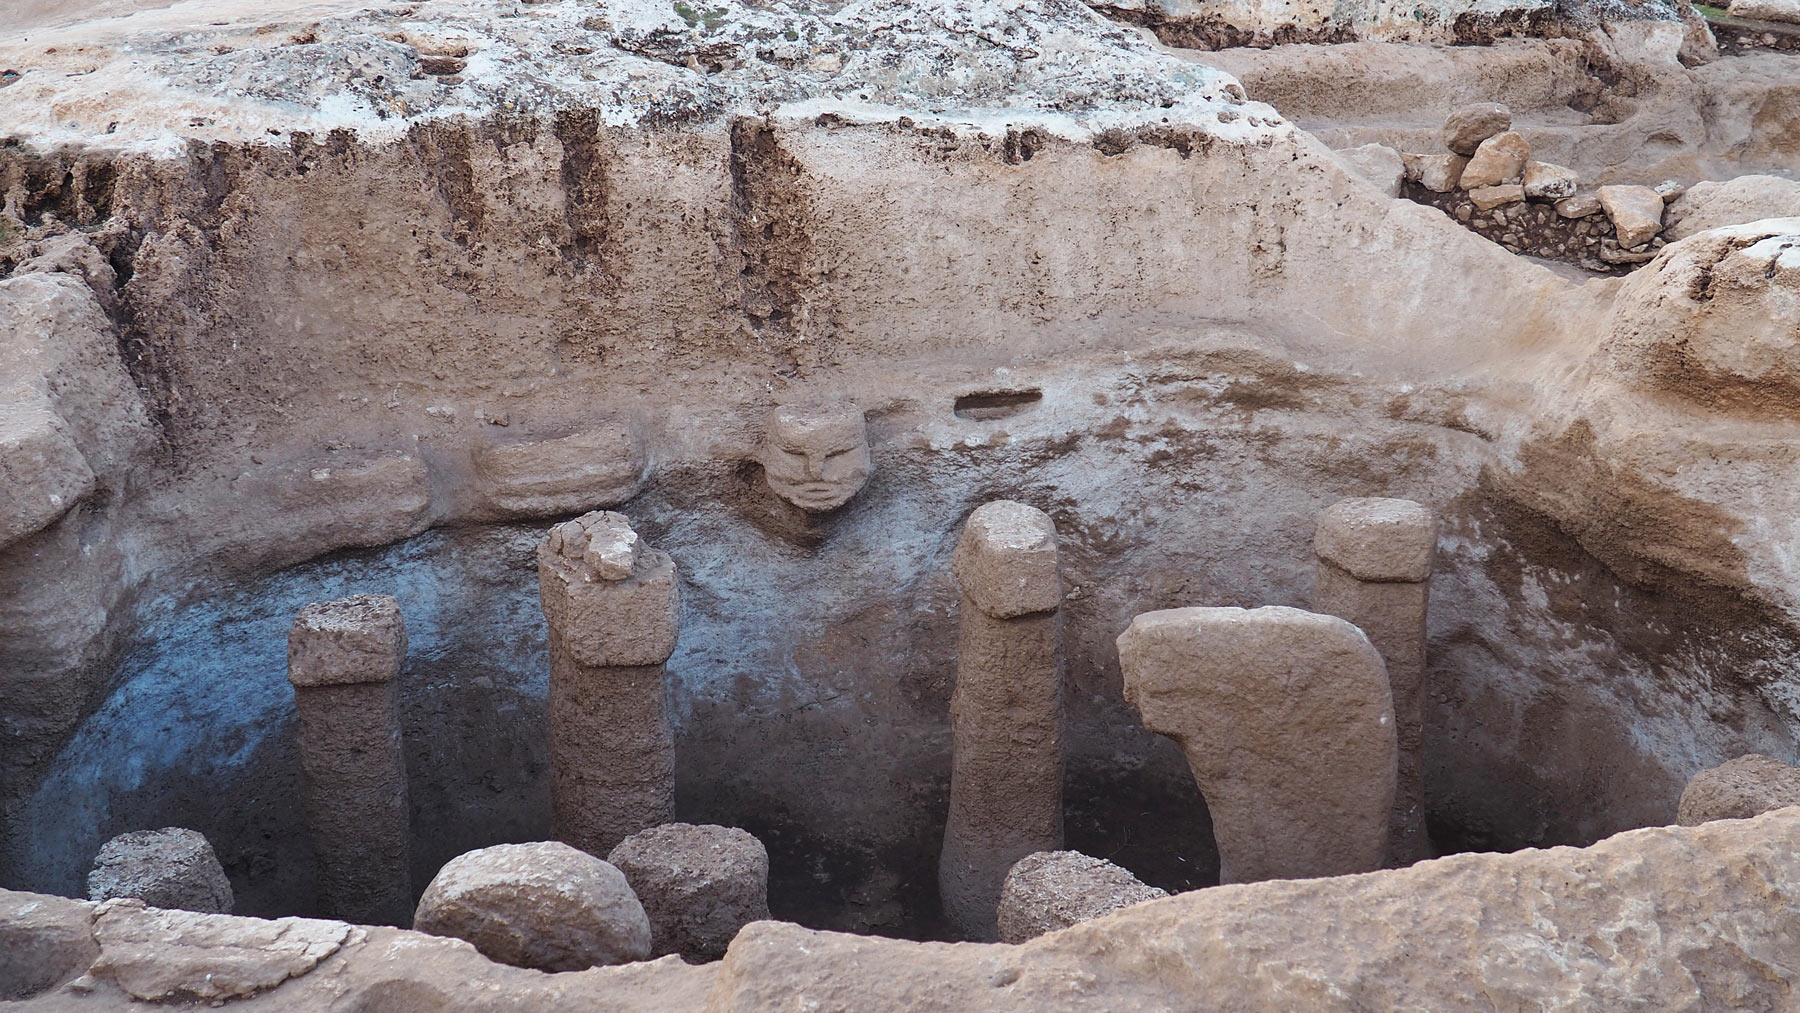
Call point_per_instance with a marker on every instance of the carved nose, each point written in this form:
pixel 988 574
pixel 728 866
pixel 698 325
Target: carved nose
pixel 815 466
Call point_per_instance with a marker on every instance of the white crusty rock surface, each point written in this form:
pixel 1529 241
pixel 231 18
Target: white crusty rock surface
pixel 1711 204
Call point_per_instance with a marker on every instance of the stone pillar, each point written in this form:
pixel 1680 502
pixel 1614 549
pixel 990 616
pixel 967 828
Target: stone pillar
pixel 1006 714
pixel 614 608
pixel 1052 890
pixel 1374 570
pixel 169 868
pixel 342 659
pixel 1288 726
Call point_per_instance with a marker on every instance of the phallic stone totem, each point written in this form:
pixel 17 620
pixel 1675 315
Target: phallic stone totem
pixel 1374 569
pixel 1006 713
pixel 1288 726
pixel 343 657
pixel 816 456
pixel 614 606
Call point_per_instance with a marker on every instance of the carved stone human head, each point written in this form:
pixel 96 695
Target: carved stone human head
pixel 816 456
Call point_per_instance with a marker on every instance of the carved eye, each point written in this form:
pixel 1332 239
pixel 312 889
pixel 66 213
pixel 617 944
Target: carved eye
pixel 835 454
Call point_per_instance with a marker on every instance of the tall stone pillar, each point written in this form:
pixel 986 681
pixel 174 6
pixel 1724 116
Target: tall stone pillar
pixel 1374 570
pixel 342 659
pixel 1287 725
pixel 614 609
pixel 1006 714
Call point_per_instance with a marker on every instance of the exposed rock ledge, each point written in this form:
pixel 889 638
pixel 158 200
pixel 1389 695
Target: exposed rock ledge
pixel 1668 918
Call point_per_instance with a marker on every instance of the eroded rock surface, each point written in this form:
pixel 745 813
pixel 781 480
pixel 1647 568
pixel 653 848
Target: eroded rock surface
pixel 1052 890
pixel 157 955
pixel 699 885
pixel 168 868
pixel 1739 789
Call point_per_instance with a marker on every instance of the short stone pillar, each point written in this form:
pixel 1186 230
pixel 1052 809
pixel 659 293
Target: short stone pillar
pixel 1052 890
pixel 168 868
pixel 613 605
pixel 1288 726
pixel 699 885
pixel 1006 713
pixel 545 906
pixel 1374 569
pixel 1739 789
pixel 342 659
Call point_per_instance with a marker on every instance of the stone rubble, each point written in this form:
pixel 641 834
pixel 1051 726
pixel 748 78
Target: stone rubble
pixel 1466 128
pixel 1636 213
pixel 1499 160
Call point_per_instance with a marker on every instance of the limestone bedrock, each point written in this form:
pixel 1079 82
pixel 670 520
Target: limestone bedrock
pixel 1288 725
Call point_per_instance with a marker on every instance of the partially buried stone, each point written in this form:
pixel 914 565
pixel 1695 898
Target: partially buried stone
pixel 1500 159
pixel 1636 213
pixel 1052 890
pixel 699 885
pixel 168 868
pixel 1579 206
pixel 1739 789
pixel 1489 197
pixel 1437 173
pixel 1466 128
pixel 1545 181
pixel 545 906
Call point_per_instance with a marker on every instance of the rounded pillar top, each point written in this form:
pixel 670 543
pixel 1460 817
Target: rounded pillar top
pixel 1006 560
pixel 1374 539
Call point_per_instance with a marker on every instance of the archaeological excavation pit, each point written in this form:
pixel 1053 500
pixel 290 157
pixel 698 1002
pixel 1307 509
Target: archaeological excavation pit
pixel 885 474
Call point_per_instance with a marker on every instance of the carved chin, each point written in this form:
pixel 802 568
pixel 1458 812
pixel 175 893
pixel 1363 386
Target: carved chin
pixel 816 497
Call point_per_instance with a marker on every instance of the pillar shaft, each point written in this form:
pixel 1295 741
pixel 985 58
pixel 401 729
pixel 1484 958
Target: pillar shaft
pixel 1006 712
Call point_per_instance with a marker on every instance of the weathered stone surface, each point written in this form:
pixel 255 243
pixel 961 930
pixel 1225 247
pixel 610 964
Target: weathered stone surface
pixel 1006 560
pixel 1489 197
pixel 699 885
pixel 545 906
pixel 1499 160
pixel 1378 539
pixel 42 472
pixel 1288 725
pixel 816 456
pixel 602 464
pixel 602 621
pixel 44 941
pixel 352 640
pixel 1466 128
pixel 170 868
pixel 1636 212
pixel 1377 163
pixel 1051 890
pixel 1670 917
pixel 1392 614
pixel 1767 10
pixel 612 741
pixel 1670 190
pixel 154 954
pixel 1006 711
pixel 1437 173
pixel 1711 204
pixel 1739 789
pixel 342 659
pixel 1545 181
pixel 1579 206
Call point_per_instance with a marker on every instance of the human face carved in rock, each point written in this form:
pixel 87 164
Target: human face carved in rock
pixel 816 456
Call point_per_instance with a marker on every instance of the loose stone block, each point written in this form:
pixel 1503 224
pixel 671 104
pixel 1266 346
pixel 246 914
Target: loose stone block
pixel 1288 726
pixel 342 659
pixel 1636 212
pixel 1739 789
pixel 168 868
pixel 1578 206
pixel 1437 173
pixel 699 885
pixel 1006 713
pixel 1545 181
pixel 1488 198
pixel 1500 159
pixel 545 906
pixel 1052 890
pixel 1466 128
pixel 1374 570
pixel 612 745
